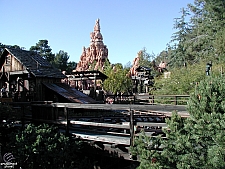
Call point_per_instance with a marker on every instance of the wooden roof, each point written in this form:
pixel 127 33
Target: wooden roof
pixel 143 68
pixel 33 63
pixel 85 75
pixel 71 94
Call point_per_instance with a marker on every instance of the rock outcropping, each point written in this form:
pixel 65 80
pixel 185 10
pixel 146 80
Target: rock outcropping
pixel 135 65
pixel 94 56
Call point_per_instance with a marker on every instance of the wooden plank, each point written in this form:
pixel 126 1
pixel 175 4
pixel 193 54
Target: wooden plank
pixel 103 138
pixel 108 125
pixel 163 109
pixel 6 100
pixel 149 124
pixel 117 106
pixel 127 126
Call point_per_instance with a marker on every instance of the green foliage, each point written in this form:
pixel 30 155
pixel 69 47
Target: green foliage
pixel 179 55
pixel 199 35
pixel 44 50
pixel 146 149
pixel 197 141
pixel 181 81
pixel 145 58
pixel 118 79
pixel 219 45
pixel 71 66
pixel 175 145
pixel 43 147
pixel 3 46
pixel 61 59
pixel 206 123
pixel 128 65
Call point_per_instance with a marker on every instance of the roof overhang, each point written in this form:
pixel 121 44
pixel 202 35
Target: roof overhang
pixel 87 75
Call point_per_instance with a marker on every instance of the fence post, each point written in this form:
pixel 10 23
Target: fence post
pixel 67 121
pixel 23 116
pixel 175 99
pixel 131 127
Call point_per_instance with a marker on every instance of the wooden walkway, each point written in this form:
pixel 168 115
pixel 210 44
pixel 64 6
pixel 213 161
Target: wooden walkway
pixel 142 109
pixel 116 129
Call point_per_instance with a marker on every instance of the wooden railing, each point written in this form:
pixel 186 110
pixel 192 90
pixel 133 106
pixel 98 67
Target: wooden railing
pixel 162 99
pixel 120 99
pixel 97 123
pixel 147 99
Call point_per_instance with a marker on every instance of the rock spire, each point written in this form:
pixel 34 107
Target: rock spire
pixel 94 56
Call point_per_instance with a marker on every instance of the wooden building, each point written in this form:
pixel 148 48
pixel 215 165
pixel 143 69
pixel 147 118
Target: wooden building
pixel 142 80
pixel 29 77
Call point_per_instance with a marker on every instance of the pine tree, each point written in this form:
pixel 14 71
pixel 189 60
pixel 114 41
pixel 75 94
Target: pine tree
pixel 179 56
pixel 44 50
pixel 197 142
pixel 147 150
pixel 207 123
pixel 61 60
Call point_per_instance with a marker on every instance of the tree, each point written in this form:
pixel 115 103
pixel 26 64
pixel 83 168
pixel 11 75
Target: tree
pixel 197 141
pixel 145 58
pixel 180 81
pixel 43 147
pixel 3 46
pixel 118 79
pixel 44 50
pixel 61 60
pixel 199 33
pixel 128 65
pixel 207 122
pixel 147 150
pixel 71 66
pixel 179 55
pixel 219 45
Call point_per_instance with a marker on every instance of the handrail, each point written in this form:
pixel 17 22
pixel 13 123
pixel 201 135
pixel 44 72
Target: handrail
pixel 148 99
pixel 153 99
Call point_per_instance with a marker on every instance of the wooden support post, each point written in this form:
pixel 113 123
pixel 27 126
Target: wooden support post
pixel 131 127
pixel 67 121
pixel 23 116
pixel 95 87
pixel 56 112
pixel 52 114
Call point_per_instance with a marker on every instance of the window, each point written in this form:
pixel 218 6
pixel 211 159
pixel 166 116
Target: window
pixel 8 60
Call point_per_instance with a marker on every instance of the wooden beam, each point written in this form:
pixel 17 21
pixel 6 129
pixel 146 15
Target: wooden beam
pixel 131 128
pixel 161 109
pixel 108 125
pixel 150 124
pixel 103 138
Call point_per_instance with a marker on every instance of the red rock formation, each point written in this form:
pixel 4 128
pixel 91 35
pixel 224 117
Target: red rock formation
pixel 135 65
pixel 96 54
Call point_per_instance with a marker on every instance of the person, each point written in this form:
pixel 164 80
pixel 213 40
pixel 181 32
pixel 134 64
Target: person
pixel 3 92
pixel 162 67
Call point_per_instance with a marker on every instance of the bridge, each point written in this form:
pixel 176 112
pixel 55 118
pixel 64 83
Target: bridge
pixel 110 127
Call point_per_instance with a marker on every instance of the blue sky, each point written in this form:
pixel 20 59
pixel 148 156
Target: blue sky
pixel 127 26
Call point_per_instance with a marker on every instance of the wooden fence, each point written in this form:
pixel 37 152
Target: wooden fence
pixel 163 99
pixel 147 99
pixel 100 123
